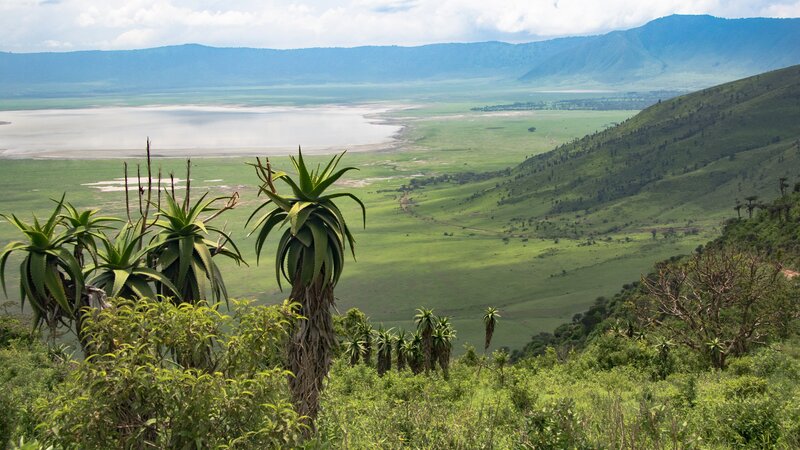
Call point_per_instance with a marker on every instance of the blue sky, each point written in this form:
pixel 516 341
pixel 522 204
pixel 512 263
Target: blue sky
pixel 64 25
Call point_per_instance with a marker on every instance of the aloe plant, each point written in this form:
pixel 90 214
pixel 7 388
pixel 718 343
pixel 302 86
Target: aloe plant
pixel 184 253
pixel 121 270
pixel 51 279
pixel 310 257
pixel 86 227
pixel 383 342
pixel 414 354
pixel 443 337
pixel 400 349
pixel 490 317
pixel 353 349
pixel 426 323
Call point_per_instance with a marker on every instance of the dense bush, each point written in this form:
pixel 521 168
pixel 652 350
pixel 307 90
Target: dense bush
pixel 182 376
pixel 574 402
pixel 554 426
pixel 27 371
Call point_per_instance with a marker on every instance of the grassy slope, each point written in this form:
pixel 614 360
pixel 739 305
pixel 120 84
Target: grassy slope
pixel 697 152
pixel 688 157
pixel 679 165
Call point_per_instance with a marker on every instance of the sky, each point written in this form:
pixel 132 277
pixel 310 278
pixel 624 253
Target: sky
pixel 66 25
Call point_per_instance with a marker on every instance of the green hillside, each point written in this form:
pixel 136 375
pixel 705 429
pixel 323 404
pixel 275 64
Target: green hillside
pixel 773 231
pixel 680 164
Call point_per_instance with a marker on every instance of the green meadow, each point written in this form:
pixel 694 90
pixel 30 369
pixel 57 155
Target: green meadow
pixel 421 250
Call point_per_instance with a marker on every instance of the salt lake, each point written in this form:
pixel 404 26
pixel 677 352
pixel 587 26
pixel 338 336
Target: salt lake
pixel 190 130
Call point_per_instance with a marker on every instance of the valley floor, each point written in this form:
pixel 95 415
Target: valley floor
pixel 417 249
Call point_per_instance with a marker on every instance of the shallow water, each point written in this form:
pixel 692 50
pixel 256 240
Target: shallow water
pixel 190 130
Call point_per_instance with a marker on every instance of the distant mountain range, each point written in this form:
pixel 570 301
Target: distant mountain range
pixel 675 51
pixel 703 48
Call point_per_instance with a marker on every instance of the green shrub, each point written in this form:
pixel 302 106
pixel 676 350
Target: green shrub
pixel 521 393
pixel 612 350
pixel 470 357
pixel 744 387
pixel 772 361
pixel 752 422
pixel 170 376
pixel 12 329
pixel 27 372
pixel 790 422
pixel 554 426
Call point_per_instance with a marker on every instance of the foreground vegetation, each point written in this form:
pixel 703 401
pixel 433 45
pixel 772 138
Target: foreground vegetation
pixel 700 353
pixel 194 377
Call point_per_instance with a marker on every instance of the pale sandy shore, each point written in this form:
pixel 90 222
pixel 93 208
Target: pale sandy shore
pixel 393 144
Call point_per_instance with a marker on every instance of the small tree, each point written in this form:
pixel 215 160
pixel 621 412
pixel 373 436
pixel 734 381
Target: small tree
pixel 364 333
pixel 751 205
pixel 121 270
pixel 489 321
pixel 400 349
pixel 426 324
pixel 184 252
pixel 443 337
pixel 310 256
pixel 414 355
pixel 384 341
pixel 353 349
pixel 719 303
pixel 86 228
pixel 782 185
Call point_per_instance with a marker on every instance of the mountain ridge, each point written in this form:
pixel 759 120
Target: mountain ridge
pixel 675 44
pixel 675 50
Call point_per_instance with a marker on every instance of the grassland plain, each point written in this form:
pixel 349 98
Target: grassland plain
pixel 415 256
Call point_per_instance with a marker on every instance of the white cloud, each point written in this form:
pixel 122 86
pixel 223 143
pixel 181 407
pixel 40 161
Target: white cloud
pixel 57 45
pixel 31 25
pixel 136 38
pixel 783 10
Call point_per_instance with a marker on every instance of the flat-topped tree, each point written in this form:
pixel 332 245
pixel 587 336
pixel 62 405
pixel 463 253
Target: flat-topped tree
pixel 310 256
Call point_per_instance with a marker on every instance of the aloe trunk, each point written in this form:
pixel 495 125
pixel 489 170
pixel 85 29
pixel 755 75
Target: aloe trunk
pixel 311 346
